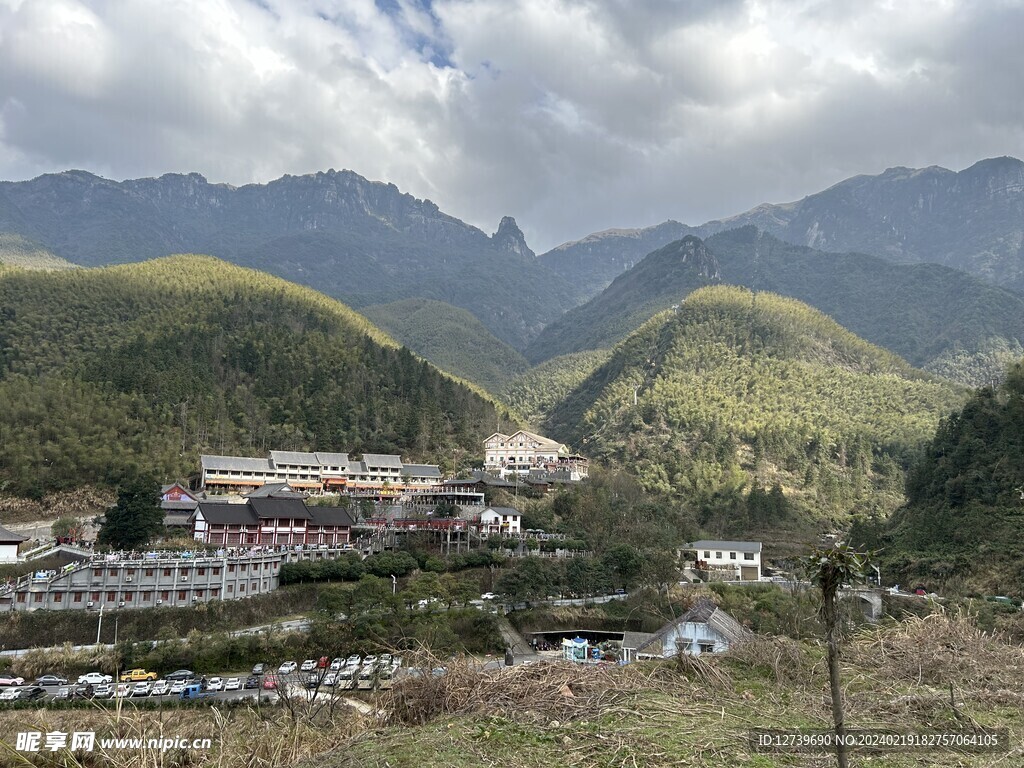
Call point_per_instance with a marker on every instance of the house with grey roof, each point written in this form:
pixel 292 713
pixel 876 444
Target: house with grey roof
pixel 705 628
pixel 716 560
pixel 9 543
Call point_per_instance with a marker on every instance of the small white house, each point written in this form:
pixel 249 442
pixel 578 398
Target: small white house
pixel 503 520
pixel 726 560
pixel 705 628
pixel 9 542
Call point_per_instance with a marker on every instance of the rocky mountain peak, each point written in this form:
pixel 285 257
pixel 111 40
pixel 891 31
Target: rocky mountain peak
pixel 510 237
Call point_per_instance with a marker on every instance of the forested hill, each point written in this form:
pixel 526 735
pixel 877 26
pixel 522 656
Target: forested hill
pixel 962 526
pixel 737 391
pixel 935 317
pixel 360 241
pixel 661 279
pixel 147 365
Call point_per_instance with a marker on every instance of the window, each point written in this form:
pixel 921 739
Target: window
pixel 231 587
pixel 149 571
pixel 732 555
pixel 146 596
pixel 111 597
pixel 202 571
pixel 21 597
pixel 242 568
pixel 129 596
pixel 255 585
pixel 706 647
pixel 718 555
pixel 707 555
pixel 216 571
pixel 165 595
pixel 199 593
pixel 748 555
pixel 77 598
pixel 215 593
pixel 181 594
pixel 241 587
pixel 94 596
pixel 58 597
pixel 231 569
pixel 167 571
pixel 37 597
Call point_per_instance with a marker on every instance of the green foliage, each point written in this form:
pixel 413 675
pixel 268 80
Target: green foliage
pixel 536 391
pixel 108 371
pixel 450 338
pixel 966 499
pixel 63 527
pixel 737 391
pixel 137 519
pixel 16 251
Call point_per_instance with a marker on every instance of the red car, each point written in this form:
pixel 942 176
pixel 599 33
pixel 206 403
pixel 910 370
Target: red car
pixel 6 679
pixel 269 682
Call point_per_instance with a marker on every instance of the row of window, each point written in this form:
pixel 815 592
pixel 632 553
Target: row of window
pixel 144 596
pixel 732 556
pixel 97 573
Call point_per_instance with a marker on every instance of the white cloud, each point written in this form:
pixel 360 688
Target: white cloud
pixel 572 115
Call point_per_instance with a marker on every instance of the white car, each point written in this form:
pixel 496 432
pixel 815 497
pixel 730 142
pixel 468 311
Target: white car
pixel 370 661
pixel 214 684
pixel 142 689
pixel 124 690
pixel 95 678
pixel 233 684
pixel 330 679
pixel 488 596
pixel 177 687
pixel 337 664
pixel 354 660
pixel 308 665
pixel 103 691
pixel 9 695
pixel 161 688
pixel 287 668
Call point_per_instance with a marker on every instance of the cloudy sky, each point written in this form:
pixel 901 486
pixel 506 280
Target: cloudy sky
pixel 571 115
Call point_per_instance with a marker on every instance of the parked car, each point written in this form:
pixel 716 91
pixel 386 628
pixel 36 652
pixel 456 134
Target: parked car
pixel 308 665
pixel 30 692
pixel 251 682
pixel 64 692
pixel 337 664
pixel 102 691
pixel 137 675
pixel 488 596
pixel 9 695
pixel 354 660
pixel 232 684
pixel 6 679
pixel 329 679
pixel 322 662
pixel 161 688
pixel 94 678
pixel 370 661
pixel 214 684
pixel 46 680
pixel 177 687
pixel 193 691
pixel 287 668
pixel 123 691
pixel 259 669
pixel 180 674
pixel 269 682
pixel 144 688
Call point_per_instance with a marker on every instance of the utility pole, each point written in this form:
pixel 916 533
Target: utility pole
pixel 394 584
pixel 99 627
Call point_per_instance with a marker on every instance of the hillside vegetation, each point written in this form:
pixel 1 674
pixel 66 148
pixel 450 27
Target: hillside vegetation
pixel 451 338
pixel 147 365
pixel 535 392
pixel 961 528
pixel 738 390
pixel 16 251
pixel 935 317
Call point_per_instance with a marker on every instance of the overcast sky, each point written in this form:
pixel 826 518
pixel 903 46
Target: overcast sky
pixel 571 116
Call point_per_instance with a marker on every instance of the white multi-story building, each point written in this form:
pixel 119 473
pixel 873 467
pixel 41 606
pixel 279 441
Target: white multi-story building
pixel 523 451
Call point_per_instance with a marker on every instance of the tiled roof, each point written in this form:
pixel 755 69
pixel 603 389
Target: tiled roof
pixel 421 470
pixel 382 460
pixel 236 463
pixel 735 546
pixel 275 491
pixel 227 514
pixel 10 537
pixel 332 459
pixel 294 457
pixel 331 516
pixel 289 509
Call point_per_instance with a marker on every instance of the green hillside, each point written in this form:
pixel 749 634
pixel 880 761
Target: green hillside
pixel 961 528
pixel 534 393
pixel 451 338
pixel 736 391
pixel 16 251
pixel 661 279
pixel 147 365
pixel 935 317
